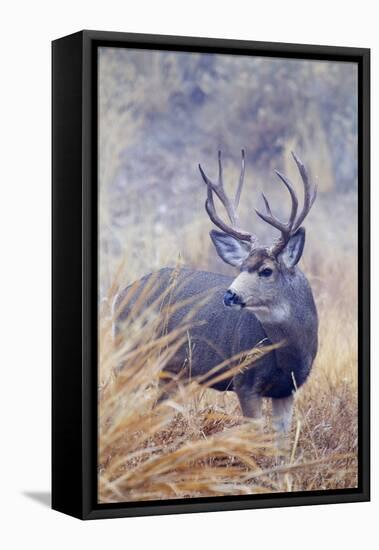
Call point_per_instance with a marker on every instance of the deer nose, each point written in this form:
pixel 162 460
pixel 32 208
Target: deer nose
pixel 232 299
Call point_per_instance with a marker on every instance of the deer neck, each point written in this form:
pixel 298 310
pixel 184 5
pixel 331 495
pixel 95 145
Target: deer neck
pixel 295 330
pixel 295 342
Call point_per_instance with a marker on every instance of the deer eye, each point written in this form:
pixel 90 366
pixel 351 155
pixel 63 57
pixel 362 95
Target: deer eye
pixel 265 272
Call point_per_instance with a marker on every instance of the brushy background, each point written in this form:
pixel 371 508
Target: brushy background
pixel 160 114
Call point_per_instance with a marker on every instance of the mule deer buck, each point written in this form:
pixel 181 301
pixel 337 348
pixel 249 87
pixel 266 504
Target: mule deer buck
pixel 269 301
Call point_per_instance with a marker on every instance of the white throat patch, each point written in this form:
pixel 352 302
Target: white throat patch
pixel 275 314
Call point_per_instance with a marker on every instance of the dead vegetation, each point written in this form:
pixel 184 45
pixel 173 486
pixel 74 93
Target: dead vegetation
pixel 197 443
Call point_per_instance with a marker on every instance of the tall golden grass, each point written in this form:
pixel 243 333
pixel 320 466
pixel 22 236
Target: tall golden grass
pixel 196 443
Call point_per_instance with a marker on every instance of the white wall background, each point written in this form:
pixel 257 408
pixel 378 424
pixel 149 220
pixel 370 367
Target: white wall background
pixel 27 29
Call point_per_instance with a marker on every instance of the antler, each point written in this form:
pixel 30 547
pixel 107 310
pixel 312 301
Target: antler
pixel 288 229
pixel 230 207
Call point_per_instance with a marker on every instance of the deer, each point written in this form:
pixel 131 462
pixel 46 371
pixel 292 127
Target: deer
pixel 268 302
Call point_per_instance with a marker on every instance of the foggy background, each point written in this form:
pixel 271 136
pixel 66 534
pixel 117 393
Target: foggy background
pixel 161 113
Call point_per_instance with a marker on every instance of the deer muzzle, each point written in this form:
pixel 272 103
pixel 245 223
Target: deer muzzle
pixel 231 299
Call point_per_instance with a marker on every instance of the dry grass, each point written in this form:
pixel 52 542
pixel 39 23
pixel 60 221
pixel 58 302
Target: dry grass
pixel 197 443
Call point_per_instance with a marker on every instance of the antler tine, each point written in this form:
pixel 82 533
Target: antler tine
pixel 231 209
pixel 284 228
pixel 240 182
pixel 270 218
pixel 218 188
pixel 294 222
pixel 309 193
pixel 211 210
pixel 294 201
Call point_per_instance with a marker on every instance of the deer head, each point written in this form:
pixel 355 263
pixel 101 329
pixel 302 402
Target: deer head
pixel 266 282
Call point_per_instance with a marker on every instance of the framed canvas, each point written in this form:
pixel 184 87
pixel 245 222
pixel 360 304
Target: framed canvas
pixel 210 344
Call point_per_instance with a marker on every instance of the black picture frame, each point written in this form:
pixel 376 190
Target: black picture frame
pixel 74 272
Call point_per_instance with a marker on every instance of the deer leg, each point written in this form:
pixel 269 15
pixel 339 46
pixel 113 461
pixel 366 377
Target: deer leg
pixel 166 388
pixel 163 394
pixel 282 418
pixel 168 382
pixel 251 405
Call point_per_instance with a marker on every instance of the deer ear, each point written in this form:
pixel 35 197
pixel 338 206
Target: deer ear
pixel 293 250
pixel 231 250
